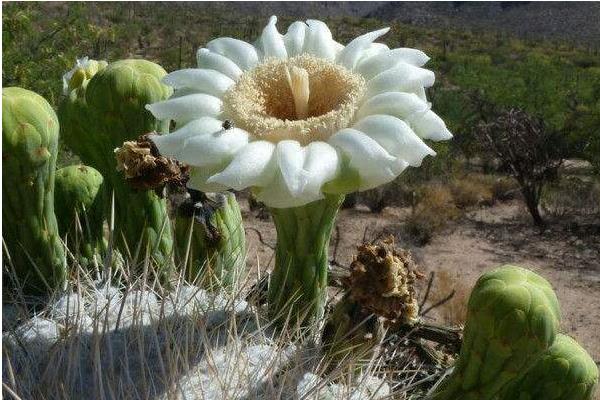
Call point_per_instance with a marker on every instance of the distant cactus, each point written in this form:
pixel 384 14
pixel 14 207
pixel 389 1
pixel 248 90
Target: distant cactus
pixel 217 250
pixel 80 210
pixel 564 372
pixel 98 116
pixel 513 317
pixel 29 228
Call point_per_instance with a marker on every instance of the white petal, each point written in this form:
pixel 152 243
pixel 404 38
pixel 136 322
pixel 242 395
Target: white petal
pixel 272 44
pixel 322 164
pixel 213 148
pixel 186 108
pixel 206 81
pixel 372 162
pixel 209 60
pixel 338 47
pixel 172 143
pixel 199 176
pixel 277 195
pixel 369 67
pixel 290 159
pixel 254 165
pixel 183 92
pixel 429 126
pixel 350 55
pixel 420 91
pixel 238 51
pixel 318 40
pixel 302 171
pixel 402 78
pixel 400 105
pixel 396 137
pixel 294 38
pixel 374 48
pixel 305 169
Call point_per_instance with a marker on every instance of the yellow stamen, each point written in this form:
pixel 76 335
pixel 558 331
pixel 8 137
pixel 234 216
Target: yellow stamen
pixel 298 80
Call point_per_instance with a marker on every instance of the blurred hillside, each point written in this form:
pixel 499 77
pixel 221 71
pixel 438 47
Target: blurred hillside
pixel 569 21
pixel 557 80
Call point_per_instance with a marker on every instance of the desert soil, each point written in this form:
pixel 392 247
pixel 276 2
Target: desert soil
pixel 566 253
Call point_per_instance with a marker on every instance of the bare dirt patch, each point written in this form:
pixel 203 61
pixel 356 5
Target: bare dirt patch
pixel 567 253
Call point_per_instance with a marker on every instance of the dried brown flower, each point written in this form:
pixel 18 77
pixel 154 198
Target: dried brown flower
pixel 145 169
pixel 382 280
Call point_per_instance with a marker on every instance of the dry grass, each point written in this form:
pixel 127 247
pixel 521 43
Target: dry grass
pixel 471 190
pixel 572 194
pixel 434 209
pixel 454 311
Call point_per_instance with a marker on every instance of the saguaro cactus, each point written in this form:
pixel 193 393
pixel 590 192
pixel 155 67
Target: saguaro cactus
pixel 80 210
pixel 29 228
pixel 98 116
pixel 512 319
pixel 217 248
pixel 565 372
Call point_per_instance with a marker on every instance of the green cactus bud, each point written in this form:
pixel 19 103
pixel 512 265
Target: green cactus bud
pixel 512 319
pixel 98 118
pixel 565 372
pixel 80 210
pixel 82 72
pixel 29 228
pixel 217 246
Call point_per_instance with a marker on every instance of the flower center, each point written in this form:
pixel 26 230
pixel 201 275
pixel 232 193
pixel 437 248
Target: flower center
pixel 303 98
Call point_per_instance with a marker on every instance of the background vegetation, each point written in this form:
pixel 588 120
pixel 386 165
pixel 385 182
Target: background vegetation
pixel 479 74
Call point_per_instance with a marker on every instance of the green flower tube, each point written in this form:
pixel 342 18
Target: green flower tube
pixel 301 120
pixel 103 110
pixel 80 203
pixel 512 319
pixel 213 242
pixel 565 372
pixel 29 228
pixel 298 285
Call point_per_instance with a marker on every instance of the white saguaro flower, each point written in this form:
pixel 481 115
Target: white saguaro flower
pixel 302 120
pixel 83 71
pixel 310 115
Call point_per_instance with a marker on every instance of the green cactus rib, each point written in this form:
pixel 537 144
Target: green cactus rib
pixel 29 227
pixel 298 284
pixel 99 116
pixel 79 198
pixel 512 319
pixel 565 372
pixel 219 262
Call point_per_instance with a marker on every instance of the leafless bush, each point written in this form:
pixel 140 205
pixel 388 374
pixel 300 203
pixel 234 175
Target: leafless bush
pixel 531 152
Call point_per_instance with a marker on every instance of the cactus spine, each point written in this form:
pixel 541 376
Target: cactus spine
pixel 29 227
pixel 512 319
pixel 80 211
pixel 565 372
pixel 98 116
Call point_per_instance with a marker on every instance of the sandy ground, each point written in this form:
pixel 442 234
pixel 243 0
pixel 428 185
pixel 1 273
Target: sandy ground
pixel 567 254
